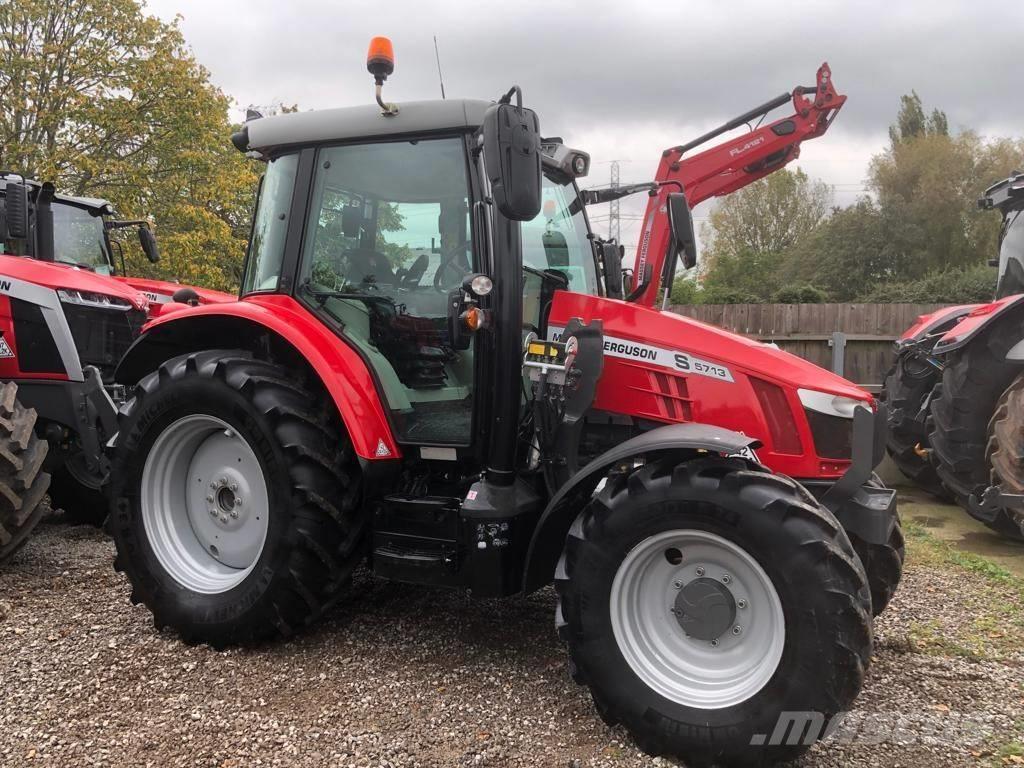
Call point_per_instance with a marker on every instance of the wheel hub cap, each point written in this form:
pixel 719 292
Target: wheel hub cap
pixel 705 609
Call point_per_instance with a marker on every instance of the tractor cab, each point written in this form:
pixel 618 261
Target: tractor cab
pixel 394 231
pixel 1008 197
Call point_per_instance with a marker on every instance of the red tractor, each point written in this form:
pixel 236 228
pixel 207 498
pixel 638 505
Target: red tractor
pixel 425 373
pixel 67 315
pixel 954 391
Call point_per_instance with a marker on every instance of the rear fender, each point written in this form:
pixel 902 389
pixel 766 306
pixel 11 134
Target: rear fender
pixel 549 536
pixel 978 319
pixel 934 322
pixel 288 333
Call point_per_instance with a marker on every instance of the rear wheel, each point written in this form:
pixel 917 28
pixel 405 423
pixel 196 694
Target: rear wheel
pixel 1006 455
pixel 236 499
pixel 23 484
pixel 972 383
pixel 703 600
pixel 907 385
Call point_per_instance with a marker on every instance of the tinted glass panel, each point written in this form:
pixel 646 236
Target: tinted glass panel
pixel 387 240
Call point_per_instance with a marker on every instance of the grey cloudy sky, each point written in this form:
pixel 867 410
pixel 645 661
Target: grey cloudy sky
pixel 623 80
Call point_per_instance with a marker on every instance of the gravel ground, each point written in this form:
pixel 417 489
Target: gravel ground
pixel 406 676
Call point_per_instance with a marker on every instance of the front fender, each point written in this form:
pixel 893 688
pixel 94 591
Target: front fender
pixel 981 317
pixel 549 536
pixel 244 325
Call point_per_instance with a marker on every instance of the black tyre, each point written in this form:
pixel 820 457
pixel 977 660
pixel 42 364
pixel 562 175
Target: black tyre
pixel 236 499
pixel 1005 452
pixel 744 536
pixel 907 385
pixel 23 484
pixel 962 406
pixel 83 502
pixel 883 564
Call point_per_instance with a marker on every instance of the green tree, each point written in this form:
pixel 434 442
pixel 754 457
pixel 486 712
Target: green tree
pixel 107 101
pixel 912 123
pixel 768 216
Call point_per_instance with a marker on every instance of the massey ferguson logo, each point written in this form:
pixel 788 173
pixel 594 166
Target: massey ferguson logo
pixel 749 145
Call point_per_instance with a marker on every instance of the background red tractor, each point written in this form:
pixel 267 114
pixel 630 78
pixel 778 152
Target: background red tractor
pixel 425 372
pixel 68 312
pixel 952 392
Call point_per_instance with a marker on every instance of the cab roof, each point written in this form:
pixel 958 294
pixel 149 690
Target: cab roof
pixel 96 205
pixel 268 134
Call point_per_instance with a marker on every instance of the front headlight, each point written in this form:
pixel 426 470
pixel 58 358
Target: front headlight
pixel 830 418
pixel 830 405
pixel 96 300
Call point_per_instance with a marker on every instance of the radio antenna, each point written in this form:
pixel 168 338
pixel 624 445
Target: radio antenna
pixel 437 56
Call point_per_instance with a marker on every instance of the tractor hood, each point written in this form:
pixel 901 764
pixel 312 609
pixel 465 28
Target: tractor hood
pixel 161 292
pixel 71 278
pixel 687 338
pixel 663 368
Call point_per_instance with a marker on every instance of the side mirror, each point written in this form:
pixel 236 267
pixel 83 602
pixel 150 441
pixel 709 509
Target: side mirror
pixel 148 242
pixel 17 211
pixel 681 223
pixel 512 156
pixel 611 258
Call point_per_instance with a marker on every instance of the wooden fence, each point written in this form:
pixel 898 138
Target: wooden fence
pixel 808 330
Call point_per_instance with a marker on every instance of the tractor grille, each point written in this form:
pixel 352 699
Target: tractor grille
pixel 102 336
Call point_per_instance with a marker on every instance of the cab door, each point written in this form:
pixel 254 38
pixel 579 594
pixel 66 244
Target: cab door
pixel 387 240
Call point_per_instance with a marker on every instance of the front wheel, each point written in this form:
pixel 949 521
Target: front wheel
pixel 235 492
pixel 705 602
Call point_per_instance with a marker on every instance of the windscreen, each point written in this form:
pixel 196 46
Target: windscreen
pixel 79 239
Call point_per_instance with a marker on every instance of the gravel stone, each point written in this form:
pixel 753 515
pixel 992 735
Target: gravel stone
pixel 406 676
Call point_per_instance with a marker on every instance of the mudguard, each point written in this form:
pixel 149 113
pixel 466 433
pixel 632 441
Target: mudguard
pixel 933 321
pixel 238 324
pixel 554 523
pixel 981 317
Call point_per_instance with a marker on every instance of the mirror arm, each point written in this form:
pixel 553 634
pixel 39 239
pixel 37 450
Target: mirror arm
pixel 636 292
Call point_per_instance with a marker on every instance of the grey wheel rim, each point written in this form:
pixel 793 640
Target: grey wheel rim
pixel 204 504
pixel 722 667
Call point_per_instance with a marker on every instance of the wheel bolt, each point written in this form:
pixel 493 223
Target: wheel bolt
pixel 234 515
pixel 726 578
pixel 223 481
pixel 737 629
pixel 210 498
pixel 741 603
pixel 714 643
pixel 700 570
pixel 234 486
pixel 213 485
pixel 678 583
pixel 224 519
pixel 213 512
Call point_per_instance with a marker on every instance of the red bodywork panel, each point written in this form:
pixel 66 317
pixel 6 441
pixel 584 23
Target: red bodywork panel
pixel 159 293
pixel 926 324
pixel 727 167
pixel 55 275
pixel 48 276
pixel 705 375
pixel 975 321
pixel 342 370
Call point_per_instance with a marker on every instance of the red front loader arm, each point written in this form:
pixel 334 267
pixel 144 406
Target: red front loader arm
pixel 727 167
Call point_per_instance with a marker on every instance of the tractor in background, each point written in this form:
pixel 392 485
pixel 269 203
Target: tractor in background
pixel 68 312
pixel 426 372
pixel 954 392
